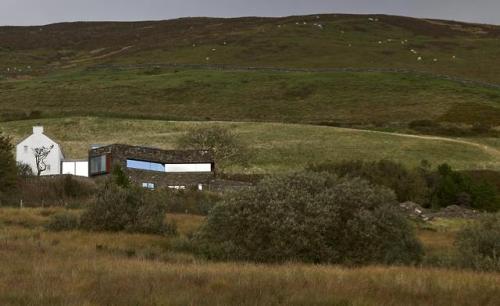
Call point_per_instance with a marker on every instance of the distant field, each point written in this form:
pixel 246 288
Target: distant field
pixel 333 98
pixel 334 40
pixel 274 147
pixel 39 267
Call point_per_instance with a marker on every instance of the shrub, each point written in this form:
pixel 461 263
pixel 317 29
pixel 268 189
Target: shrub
pixel 409 185
pixel 62 191
pixel 454 188
pixel 24 170
pixel 119 177
pixel 63 221
pixel 430 188
pixel 309 217
pixel 186 201
pixel 479 244
pixel 8 168
pixel 116 209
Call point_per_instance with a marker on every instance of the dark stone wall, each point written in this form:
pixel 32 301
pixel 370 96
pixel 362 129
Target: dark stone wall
pixel 162 179
pixel 119 154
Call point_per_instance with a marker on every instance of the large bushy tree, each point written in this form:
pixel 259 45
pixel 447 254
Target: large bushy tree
pixel 309 217
pixel 225 145
pixel 8 167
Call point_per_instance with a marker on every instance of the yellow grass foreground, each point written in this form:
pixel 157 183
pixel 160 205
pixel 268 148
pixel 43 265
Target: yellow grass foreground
pixel 78 268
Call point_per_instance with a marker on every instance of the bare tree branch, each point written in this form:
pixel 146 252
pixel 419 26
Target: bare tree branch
pixel 41 154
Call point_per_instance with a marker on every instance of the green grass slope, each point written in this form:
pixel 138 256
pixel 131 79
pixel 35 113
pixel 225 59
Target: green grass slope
pixel 345 98
pixel 273 147
pixel 317 41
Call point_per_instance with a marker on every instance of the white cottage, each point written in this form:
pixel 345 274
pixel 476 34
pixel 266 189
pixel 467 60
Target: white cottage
pixel 25 154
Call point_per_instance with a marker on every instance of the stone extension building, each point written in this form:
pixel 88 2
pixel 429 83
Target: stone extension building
pixel 155 168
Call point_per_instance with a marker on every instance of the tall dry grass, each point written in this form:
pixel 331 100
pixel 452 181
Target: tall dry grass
pixel 36 272
pixel 38 267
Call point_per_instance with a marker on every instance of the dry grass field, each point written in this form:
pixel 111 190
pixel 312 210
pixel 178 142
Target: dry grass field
pixel 38 267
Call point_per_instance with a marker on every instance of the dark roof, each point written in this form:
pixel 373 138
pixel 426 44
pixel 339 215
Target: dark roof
pixel 122 151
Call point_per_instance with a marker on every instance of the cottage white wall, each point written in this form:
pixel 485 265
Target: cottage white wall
pixel 24 152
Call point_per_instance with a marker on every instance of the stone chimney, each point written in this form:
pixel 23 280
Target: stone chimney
pixel 37 130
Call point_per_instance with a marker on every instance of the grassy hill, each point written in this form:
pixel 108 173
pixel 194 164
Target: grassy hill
pixel 366 99
pixel 274 147
pixel 168 70
pixel 316 41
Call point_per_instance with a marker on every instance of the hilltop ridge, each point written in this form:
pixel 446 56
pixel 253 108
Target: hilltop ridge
pixel 314 41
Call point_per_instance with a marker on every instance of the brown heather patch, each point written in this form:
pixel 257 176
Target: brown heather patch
pixel 44 268
pixel 44 277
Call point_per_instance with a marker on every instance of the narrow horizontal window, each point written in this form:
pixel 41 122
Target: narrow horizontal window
pixel 188 167
pixel 177 187
pixel 145 165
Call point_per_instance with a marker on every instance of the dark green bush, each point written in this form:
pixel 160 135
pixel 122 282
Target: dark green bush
pixel 8 168
pixel 430 188
pixel 309 217
pixel 409 185
pixel 479 244
pixel 454 188
pixel 126 209
pixel 63 221
pixel 24 170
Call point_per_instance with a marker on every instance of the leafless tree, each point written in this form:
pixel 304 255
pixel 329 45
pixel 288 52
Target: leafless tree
pixel 41 154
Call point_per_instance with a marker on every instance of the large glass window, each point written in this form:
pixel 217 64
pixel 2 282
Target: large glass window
pixel 145 165
pixel 98 164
